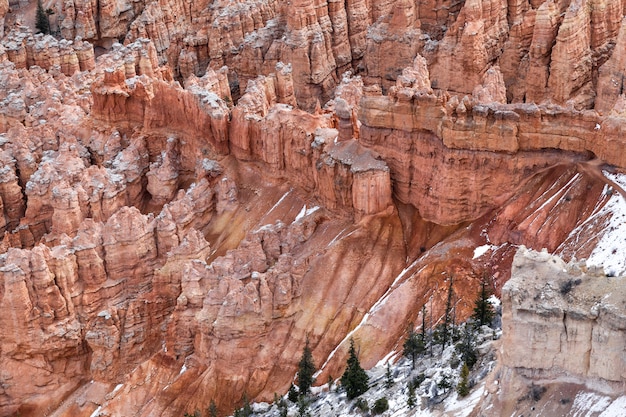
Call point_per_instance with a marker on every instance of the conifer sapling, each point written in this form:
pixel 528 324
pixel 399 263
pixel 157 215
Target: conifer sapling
pixel 483 309
pixel 306 369
pixel 354 380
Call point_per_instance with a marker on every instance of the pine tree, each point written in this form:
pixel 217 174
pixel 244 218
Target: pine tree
pixel 281 405
pixel 303 408
pixel 413 347
pixel 424 324
pixel 212 410
pixel 354 380
pixel 447 317
pixel 467 348
pixel 483 309
pixel 388 377
pixel 42 21
pixel 380 406
pixel 306 369
pixel 293 394
pixel 282 408
pixel 444 383
pixel 411 400
pixel 246 410
pixel 463 387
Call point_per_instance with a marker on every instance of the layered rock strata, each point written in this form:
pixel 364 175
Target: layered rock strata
pixel 563 322
pixel 547 51
pixel 459 136
pixel 160 237
pixel 26 50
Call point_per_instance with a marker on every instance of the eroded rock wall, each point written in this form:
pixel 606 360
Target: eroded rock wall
pixel 189 233
pixel 548 52
pixel 563 322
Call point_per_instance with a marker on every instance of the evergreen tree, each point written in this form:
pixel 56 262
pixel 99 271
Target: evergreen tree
pixel 282 408
pixel 463 387
pixel 411 400
pixel 447 317
pixel 281 405
pixel 212 410
pixel 444 383
pixel 306 369
pixel 354 380
pixel 483 309
pixel 293 394
pixel 388 377
pixel 467 348
pixel 380 406
pixel 42 20
pixel 246 410
pixel 413 347
pixel 303 408
pixel 424 324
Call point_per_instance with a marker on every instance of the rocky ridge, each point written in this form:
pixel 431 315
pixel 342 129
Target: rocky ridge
pixel 547 52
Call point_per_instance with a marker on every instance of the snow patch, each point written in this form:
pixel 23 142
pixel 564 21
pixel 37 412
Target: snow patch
pixel 463 407
pixel 495 301
pixel 183 369
pixel 348 336
pixel 279 201
pixel 616 409
pixel 386 359
pixel 586 404
pixel 610 252
pixel 105 314
pixel 481 250
pixel 305 212
pixel 336 237
pixel 95 413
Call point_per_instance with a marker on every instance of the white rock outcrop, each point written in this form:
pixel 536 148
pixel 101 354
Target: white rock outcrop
pixel 562 321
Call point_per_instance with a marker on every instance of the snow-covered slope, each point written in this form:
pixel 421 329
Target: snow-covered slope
pixel 610 251
pixel 433 398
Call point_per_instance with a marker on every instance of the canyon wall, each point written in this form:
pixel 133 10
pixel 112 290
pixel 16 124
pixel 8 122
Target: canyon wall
pixel 547 52
pixel 183 210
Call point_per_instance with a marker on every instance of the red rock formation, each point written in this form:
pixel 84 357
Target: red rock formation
pixel 10 194
pixel 611 75
pixel 4 8
pixel 165 238
pixel 300 150
pixel 492 89
pixel 43 329
pixel 26 50
pixel 473 41
pixel 570 68
pixel 392 44
pixel 131 101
